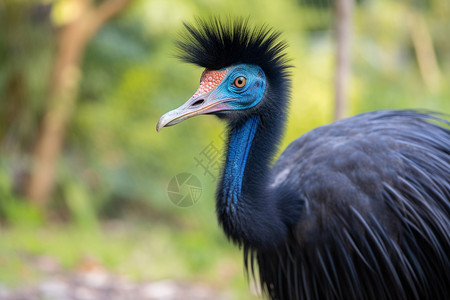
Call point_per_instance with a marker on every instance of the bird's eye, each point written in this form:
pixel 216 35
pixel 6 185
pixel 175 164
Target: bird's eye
pixel 240 82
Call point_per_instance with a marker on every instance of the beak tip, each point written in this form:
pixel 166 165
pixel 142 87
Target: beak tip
pixel 159 126
pixel 166 120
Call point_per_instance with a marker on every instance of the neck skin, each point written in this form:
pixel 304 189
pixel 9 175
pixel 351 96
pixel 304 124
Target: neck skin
pixel 248 210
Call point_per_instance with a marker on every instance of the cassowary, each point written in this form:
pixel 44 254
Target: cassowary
pixel 358 209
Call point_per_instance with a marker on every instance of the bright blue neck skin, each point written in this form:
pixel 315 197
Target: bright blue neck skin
pixel 247 209
pixel 240 143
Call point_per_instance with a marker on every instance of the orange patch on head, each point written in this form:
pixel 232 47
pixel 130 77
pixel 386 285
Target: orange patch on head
pixel 209 81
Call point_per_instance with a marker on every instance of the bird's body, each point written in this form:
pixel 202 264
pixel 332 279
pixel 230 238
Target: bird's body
pixel 375 221
pixel 358 209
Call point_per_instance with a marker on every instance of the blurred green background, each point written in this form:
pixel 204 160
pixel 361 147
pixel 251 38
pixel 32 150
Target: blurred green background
pixel 83 84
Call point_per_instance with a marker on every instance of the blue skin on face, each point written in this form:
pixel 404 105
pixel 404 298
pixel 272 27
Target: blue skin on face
pixel 244 97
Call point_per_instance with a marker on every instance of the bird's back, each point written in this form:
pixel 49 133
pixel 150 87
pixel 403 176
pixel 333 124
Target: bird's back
pixel 375 211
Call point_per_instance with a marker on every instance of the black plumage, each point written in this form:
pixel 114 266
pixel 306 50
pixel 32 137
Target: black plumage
pixel 375 220
pixel 358 209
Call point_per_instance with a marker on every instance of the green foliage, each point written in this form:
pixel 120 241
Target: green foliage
pixel 78 202
pixel 15 210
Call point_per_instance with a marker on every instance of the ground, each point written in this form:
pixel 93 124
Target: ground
pixel 118 261
pixel 92 282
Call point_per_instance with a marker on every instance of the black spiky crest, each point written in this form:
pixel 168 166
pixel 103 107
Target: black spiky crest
pixel 215 44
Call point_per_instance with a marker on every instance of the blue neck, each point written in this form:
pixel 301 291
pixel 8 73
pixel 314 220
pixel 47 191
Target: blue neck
pixel 240 143
pixel 246 208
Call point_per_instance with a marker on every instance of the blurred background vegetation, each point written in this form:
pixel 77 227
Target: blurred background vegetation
pixel 83 173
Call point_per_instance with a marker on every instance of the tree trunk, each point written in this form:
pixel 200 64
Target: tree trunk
pixel 72 40
pixel 425 53
pixel 343 17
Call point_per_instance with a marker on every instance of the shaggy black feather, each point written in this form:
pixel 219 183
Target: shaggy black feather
pixel 376 218
pixel 215 44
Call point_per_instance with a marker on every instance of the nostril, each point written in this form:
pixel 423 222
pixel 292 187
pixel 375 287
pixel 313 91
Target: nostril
pixel 198 102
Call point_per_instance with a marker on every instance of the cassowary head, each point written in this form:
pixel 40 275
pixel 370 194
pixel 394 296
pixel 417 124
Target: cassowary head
pixel 243 67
